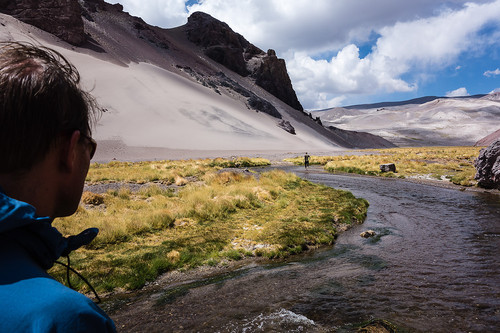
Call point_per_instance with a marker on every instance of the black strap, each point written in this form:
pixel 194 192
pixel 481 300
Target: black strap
pixel 68 268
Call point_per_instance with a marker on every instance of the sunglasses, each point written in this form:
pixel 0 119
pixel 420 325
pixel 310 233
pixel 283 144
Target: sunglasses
pixel 92 143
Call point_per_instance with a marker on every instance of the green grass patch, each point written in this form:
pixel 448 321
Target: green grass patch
pixel 215 217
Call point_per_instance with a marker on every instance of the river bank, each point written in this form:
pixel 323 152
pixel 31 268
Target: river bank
pixel 436 244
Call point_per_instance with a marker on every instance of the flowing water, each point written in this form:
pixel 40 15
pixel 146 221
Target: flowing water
pixel 433 266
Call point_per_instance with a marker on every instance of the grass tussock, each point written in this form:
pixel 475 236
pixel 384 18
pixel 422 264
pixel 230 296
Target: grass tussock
pixel 222 216
pixel 455 164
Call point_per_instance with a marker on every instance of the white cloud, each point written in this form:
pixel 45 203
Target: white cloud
pixel 410 39
pixel 458 93
pixel 316 81
pixel 422 44
pixel 163 13
pixel 492 73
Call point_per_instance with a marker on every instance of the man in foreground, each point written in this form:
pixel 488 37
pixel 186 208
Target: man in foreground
pixel 45 152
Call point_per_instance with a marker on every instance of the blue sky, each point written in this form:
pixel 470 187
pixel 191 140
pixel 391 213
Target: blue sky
pixel 347 52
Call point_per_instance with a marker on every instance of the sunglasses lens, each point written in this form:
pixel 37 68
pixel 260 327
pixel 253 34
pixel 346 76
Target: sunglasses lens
pixel 92 143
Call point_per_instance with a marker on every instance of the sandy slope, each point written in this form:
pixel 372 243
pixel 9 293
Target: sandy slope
pixel 445 122
pixel 161 110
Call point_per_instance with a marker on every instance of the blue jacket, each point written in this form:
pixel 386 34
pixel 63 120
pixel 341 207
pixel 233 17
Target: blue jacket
pixel 30 299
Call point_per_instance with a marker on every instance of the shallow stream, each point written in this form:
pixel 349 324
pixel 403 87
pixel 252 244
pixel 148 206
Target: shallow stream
pixel 433 266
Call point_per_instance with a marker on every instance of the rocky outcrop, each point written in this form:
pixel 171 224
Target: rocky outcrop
pixel 232 50
pixel 254 101
pixel 272 75
pixel 261 104
pixel 62 18
pixel 285 124
pixel 488 166
pixel 220 42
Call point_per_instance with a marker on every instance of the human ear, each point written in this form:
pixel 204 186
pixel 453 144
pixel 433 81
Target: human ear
pixel 68 157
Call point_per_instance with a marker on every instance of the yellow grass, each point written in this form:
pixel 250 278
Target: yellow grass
pixel 212 217
pixel 455 164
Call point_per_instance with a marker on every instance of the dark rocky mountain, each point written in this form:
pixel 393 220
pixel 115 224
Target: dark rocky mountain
pixel 238 69
pixel 62 18
pixel 232 50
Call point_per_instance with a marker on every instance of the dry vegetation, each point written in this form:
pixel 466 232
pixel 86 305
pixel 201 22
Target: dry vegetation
pixel 211 216
pixel 455 164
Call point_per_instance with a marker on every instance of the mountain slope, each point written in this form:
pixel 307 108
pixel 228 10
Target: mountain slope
pixel 160 89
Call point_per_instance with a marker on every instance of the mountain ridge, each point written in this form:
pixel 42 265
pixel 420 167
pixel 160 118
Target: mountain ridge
pixel 417 100
pixel 467 121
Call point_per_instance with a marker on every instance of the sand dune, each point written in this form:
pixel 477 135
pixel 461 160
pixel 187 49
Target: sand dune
pixel 159 110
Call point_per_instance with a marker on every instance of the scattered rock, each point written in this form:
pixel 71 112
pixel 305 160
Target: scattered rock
pixel 389 167
pixel 285 124
pixel 368 234
pixel 487 166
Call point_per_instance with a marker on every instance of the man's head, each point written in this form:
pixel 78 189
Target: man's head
pixel 40 101
pixel 45 128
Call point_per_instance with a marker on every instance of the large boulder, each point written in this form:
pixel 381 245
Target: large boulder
pixel 389 167
pixel 488 166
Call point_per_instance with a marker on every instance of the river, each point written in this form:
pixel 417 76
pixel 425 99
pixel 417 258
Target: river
pixel 433 266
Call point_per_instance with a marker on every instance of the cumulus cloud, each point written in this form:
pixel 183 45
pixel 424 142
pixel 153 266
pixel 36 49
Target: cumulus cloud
pixel 162 13
pixel 492 73
pixel 421 44
pixel 318 81
pixel 403 41
pixel 458 93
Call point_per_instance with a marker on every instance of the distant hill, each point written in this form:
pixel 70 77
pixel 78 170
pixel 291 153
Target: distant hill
pixel 426 121
pixel 419 100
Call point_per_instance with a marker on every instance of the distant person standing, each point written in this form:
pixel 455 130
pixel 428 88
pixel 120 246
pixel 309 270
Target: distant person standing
pixel 306 160
pixel 45 149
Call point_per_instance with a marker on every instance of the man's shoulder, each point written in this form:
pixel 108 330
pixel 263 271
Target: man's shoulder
pixel 47 303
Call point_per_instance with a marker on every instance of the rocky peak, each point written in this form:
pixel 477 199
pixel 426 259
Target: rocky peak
pixel 273 77
pixel 59 17
pixel 232 50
